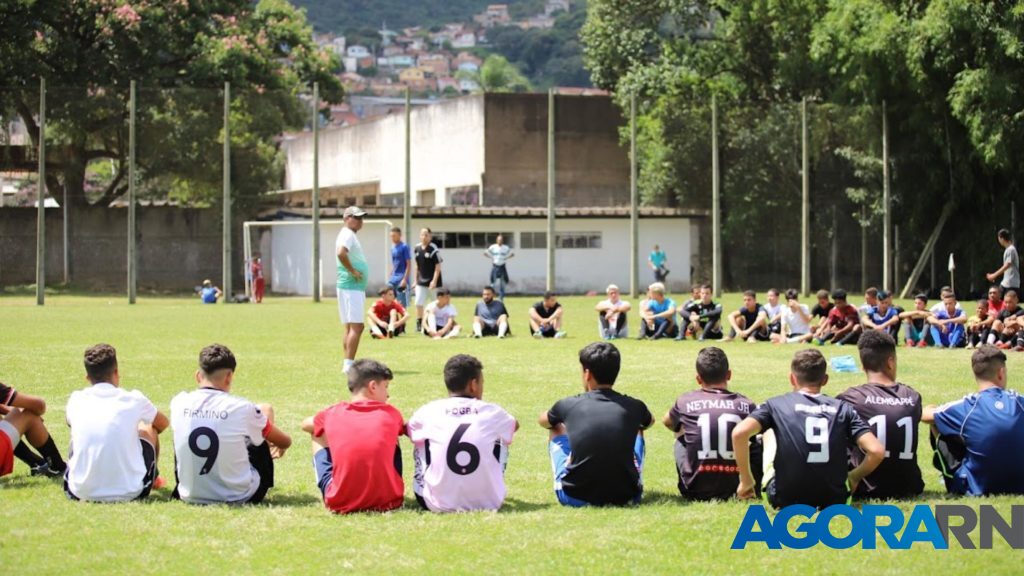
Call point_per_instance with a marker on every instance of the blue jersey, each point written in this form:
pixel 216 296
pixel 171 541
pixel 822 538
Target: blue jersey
pixel 991 425
pixel 880 318
pixel 665 305
pixel 657 258
pixel 209 295
pixel 400 257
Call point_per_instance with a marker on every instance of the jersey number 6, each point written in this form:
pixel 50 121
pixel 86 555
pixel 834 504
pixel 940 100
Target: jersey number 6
pixel 456 446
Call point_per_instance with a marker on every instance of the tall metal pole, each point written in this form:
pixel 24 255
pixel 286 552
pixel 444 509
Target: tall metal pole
pixel 64 222
pixel 551 190
pixel 316 193
pixel 896 257
pixel 634 203
pixel 407 199
pixel 716 217
pixel 41 215
pixel 805 219
pixel 227 194
pixel 132 258
pixel 863 248
pixel 886 206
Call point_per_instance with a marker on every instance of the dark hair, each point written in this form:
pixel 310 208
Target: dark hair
pixel 948 294
pixel 986 362
pixel 396 229
pixel 750 293
pixel 488 287
pixel 550 294
pixel 603 361
pixel 216 357
pixel 429 231
pixel 459 370
pixel 875 349
pixel 792 294
pixel 809 367
pixel 773 291
pixel 363 371
pixel 384 290
pixel 983 303
pixel 1011 291
pixel 839 294
pixel 705 287
pixel 922 297
pixel 872 291
pixel 100 362
pixel 443 292
pixel 882 295
pixel 822 294
pixel 1003 234
pixel 712 365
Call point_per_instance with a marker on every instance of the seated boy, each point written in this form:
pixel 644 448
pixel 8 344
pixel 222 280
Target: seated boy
pixel 22 416
pixel 546 317
pixel 917 322
pixel 611 315
pixel 702 420
pixel 704 320
pixel 978 324
pixel 440 317
pixel 1008 327
pixel 810 434
pixel 658 317
pixel 796 321
pixel 750 322
pixel 883 316
pixel 948 323
pixel 461 444
pixel 596 439
pixel 773 310
pixel 114 435
pixel 843 323
pixel 356 455
pixel 979 437
pixel 224 445
pixel 490 317
pixel 387 316
pixel 823 307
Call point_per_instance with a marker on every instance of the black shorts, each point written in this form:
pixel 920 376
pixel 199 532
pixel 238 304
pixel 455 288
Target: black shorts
pixel 488 329
pixel 148 460
pixel 261 460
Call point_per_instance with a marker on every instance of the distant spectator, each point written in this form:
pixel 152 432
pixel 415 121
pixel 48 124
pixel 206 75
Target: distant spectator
pixel 546 317
pixel 611 315
pixel 938 306
pixel 883 316
pixel 796 320
pixel 500 254
pixel 705 319
pixel 258 282
pixel 978 324
pixel 656 261
pixel 843 323
pixel 209 293
pixel 750 322
pixel 1008 328
pixel 870 301
pixel 823 307
pixel 658 317
pixel 387 316
pixel 439 317
pixel 428 271
pixel 490 318
pixel 773 310
pixel 948 324
pixel 916 321
pixel 401 267
pixel 1010 270
pixel 684 310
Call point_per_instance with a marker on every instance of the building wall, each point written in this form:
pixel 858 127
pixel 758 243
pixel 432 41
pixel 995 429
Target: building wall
pixel 466 270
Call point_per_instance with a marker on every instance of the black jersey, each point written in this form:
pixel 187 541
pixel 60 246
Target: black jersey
pixel 822 311
pixel 812 434
pixel 427 260
pixel 894 413
pixel 709 313
pixel 705 459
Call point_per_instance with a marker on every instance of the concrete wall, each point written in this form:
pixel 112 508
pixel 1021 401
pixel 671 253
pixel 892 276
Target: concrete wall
pixel 466 270
pixel 177 247
pixel 447 151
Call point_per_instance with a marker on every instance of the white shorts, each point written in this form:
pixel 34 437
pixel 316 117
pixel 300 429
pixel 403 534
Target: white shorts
pixel 12 432
pixel 350 306
pixel 424 294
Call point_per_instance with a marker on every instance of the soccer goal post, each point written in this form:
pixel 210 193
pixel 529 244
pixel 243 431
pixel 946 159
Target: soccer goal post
pixel 285 248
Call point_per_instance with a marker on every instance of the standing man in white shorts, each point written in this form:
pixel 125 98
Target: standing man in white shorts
pixel 428 273
pixel 353 272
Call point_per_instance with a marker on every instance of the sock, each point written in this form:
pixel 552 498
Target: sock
pixel 478 330
pixel 26 455
pixel 52 455
pixel 502 328
pixel 347 365
pixel 419 324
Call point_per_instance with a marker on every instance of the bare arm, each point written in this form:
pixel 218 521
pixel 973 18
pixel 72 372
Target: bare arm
pixel 307 425
pixel 928 414
pixel 33 404
pixel 543 420
pixel 874 453
pixel 437 275
pixel 667 421
pixel 279 438
pixel 741 435
pixel 160 423
pixel 347 263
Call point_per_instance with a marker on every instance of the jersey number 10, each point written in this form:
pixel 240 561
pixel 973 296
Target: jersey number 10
pixel 706 452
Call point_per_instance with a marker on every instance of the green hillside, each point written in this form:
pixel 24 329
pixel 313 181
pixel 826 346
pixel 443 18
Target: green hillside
pixel 347 15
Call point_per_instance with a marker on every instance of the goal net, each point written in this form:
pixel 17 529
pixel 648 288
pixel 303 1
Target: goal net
pixel 285 248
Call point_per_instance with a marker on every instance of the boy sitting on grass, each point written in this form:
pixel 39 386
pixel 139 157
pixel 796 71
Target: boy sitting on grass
pixel 387 316
pixel 439 322
pixel 22 416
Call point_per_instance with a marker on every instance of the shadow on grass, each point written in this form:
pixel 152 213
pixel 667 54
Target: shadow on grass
pixel 514 506
pixel 656 498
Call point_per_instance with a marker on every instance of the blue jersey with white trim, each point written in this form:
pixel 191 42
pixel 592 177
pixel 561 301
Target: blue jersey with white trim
pixel 991 424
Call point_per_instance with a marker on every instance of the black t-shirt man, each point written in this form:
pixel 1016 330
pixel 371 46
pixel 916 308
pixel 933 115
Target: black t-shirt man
pixel 894 412
pixel 427 259
pixel 750 316
pixel 820 311
pixel 546 312
pixel 704 456
pixel 602 426
pixel 813 434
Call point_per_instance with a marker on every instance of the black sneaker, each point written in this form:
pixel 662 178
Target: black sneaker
pixel 44 469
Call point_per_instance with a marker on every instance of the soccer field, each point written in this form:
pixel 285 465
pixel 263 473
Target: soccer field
pixel 289 355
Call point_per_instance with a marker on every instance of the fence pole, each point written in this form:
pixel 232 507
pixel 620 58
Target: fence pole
pixel 896 257
pixel 805 222
pixel 41 215
pixel 716 217
pixel 316 193
pixel 227 194
pixel 551 190
pixel 132 257
pixel 407 198
pixel 886 206
pixel 634 203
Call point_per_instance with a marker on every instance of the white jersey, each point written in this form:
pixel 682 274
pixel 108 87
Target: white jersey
pixel 461 447
pixel 213 431
pixel 772 311
pixel 441 313
pixel 795 321
pixel 106 462
pixel 499 254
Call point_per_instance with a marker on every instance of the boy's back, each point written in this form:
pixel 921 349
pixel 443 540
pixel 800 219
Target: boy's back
pixel 812 434
pixel 362 438
pixel 991 424
pixel 602 426
pixel 461 450
pixel 213 431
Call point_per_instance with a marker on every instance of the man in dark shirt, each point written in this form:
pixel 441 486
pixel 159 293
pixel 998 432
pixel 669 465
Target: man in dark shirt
pixel 823 307
pixel 21 415
pixel 894 411
pixel 490 318
pixel 596 441
pixel 810 436
pixel 546 317
pixel 842 326
pixel 428 273
pixel 1008 329
pixel 704 318
pixel 702 421
pixel 750 322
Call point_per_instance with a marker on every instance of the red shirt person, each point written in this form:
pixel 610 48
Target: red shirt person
pixel 258 282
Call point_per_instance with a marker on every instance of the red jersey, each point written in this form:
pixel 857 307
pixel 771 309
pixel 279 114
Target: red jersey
pixel 363 440
pixel 841 316
pixel 383 312
pixel 994 308
pixel 257 270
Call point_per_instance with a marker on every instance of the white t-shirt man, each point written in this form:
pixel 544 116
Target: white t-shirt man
pixel 461 448
pixel 212 434
pixel 772 311
pixel 940 306
pixel 614 309
pixel 441 313
pixel 351 291
pixel 796 323
pixel 1011 277
pixel 106 463
pixel 499 253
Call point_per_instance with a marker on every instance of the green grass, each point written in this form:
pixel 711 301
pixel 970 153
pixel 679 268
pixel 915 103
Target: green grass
pixel 289 355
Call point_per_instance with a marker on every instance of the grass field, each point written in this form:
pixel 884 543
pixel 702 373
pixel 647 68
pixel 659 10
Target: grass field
pixel 289 355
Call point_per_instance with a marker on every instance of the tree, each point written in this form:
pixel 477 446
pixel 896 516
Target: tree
pixel 180 53
pixel 498 75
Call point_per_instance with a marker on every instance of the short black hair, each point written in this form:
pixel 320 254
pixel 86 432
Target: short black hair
pixel 922 297
pixel 1003 234
pixel 773 291
pixel 365 370
pixel 443 292
pixel 488 287
pixel 603 360
pixel 384 290
pixel 1009 291
pixel 396 229
pixel 809 367
pixel 792 294
pixel 875 349
pixel 550 294
pixel 459 370
pixel 750 293
pixel 839 294
pixel 986 362
pixel 712 365
pixel 823 294
pixel 216 357
pixel 872 291
pixel 100 362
